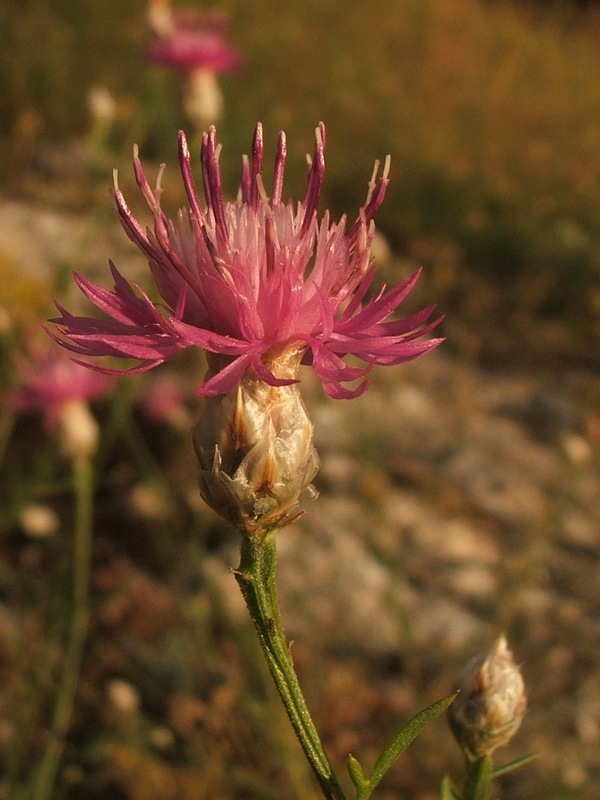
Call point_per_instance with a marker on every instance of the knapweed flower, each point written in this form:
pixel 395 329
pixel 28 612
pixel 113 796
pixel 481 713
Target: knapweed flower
pixel 191 44
pixel 61 389
pixel 163 400
pixel 262 286
pixel 196 47
pixel 249 279
pixel 490 706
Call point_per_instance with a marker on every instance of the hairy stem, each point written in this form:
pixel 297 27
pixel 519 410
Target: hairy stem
pixel 256 578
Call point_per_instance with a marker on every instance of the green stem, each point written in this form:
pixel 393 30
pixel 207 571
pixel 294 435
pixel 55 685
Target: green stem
pixel 63 709
pixel 256 578
pixel 479 779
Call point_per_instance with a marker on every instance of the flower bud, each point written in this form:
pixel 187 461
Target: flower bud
pixel 256 453
pixel 202 97
pixel 491 703
pixel 76 429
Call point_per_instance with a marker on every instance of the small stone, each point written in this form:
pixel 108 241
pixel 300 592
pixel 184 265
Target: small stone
pixel 39 521
pixel 123 696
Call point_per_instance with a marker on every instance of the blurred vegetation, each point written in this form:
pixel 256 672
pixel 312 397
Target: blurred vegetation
pixel 490 111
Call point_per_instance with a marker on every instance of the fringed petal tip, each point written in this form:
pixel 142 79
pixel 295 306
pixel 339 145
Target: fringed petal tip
pixel 249 277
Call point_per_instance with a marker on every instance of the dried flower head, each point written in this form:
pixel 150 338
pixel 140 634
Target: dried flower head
pixel 491 703
pixel 249 280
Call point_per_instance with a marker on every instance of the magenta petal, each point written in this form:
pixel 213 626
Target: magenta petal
pixel 145 366
pixel 339 392
pixel 227 378
pixel 249 278
pixel 209 340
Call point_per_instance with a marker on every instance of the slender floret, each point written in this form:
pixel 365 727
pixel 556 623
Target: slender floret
pixel 250 280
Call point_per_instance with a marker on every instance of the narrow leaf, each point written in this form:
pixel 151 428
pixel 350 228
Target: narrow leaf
pixel 447 790
pixel 405 736
pixel 518 762
pixel 356 773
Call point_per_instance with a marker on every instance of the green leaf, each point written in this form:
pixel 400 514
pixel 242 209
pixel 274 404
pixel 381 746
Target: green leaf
pixel 448 790
pixel 404 737
pixel 518 762
pixel 356 773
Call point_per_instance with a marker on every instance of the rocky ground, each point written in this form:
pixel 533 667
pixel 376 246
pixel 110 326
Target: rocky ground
pixel 465 502
pixel 456 502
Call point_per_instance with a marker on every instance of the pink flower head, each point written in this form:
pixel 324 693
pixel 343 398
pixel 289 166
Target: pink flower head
pixel 187 50
pixel 163 399
pixel 186 41
pixel 251 279
pixel 51 380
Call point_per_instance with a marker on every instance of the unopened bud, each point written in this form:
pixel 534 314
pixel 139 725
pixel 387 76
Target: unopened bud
pixel 256 453
pixel 491 703
pixel 202 97
pixel 76 429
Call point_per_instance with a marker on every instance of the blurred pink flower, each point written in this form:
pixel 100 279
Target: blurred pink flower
pixel 50 380
pixel 187 50
pixel 163 399
pixel 251 279
pixel 195 45
pixel 187 40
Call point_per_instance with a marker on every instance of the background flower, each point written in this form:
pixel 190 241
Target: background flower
pixel 50 380
pixel 195 45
